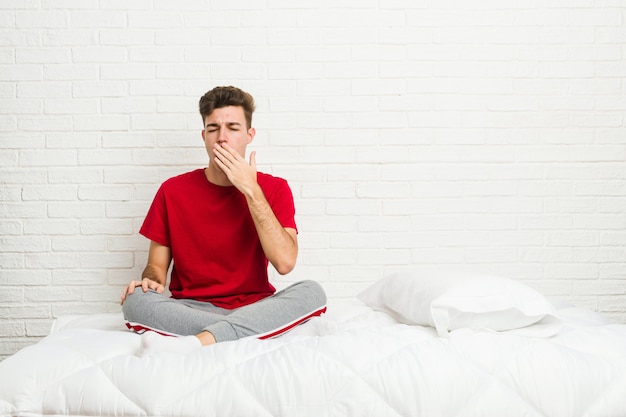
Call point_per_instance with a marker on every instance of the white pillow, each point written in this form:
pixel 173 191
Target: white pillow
pixel 453 300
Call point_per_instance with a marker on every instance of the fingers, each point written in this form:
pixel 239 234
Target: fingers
pixel 145 284
pixel 129 289
pixel 253 159
pixel 148 284
pixel 226 156
pixel 241 174
pixel 223 152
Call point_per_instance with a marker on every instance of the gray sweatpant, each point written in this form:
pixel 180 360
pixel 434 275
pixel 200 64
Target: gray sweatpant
pixel 268 317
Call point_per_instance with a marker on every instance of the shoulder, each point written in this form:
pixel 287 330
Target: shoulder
pixel 188 178
pixel 276 189
pixel 270 182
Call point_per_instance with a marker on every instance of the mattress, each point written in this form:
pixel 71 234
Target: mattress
pixel 353 361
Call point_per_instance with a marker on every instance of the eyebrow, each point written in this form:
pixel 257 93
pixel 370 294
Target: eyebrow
pixel 227 124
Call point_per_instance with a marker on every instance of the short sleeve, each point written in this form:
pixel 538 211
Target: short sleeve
pixel 155 225
pixel 280 199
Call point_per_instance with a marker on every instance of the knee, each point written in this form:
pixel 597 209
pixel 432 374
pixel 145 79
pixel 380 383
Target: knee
pixel 129 305
pixel 314 292
pixel 135 303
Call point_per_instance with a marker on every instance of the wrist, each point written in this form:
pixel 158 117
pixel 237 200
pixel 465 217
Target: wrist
pixel 255 194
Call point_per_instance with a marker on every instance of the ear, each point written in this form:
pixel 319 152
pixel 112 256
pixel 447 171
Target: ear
pixel 251 133
pixel 203 135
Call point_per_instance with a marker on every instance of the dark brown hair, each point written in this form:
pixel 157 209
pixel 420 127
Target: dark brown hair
pixel 227 96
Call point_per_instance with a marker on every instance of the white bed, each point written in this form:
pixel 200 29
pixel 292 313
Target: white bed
pixel 353 361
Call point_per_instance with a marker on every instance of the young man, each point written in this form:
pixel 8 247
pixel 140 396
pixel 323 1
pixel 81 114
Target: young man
pixel 220 226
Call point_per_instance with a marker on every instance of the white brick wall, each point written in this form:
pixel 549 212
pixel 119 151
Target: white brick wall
pixel 489 135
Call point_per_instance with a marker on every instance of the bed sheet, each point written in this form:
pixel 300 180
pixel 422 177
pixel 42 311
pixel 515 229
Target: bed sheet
pixel 353 361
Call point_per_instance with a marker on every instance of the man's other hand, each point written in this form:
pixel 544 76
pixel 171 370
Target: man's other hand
pixel 145 284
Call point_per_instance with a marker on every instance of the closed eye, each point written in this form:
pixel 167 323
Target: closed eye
pixel 214 127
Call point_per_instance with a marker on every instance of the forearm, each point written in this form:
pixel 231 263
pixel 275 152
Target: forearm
pixel 280 246
pixel 154 273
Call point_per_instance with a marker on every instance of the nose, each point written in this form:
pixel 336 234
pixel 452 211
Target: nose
pixel 221 137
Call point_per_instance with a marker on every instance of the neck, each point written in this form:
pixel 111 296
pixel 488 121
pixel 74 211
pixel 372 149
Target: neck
pixel 216 176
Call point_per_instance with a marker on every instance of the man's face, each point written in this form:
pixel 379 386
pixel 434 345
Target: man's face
pixel 227 125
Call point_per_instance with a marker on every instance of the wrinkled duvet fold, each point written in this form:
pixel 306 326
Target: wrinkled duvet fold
pixel 353 361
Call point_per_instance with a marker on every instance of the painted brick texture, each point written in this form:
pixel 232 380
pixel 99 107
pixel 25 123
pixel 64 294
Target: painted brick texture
pixel 487 136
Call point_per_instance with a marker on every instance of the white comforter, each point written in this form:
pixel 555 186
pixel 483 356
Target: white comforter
pixel 351 362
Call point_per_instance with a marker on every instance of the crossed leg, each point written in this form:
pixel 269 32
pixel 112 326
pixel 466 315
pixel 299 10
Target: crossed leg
pixel 202 323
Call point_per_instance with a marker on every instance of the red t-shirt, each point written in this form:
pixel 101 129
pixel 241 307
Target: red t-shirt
pixel 216 251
